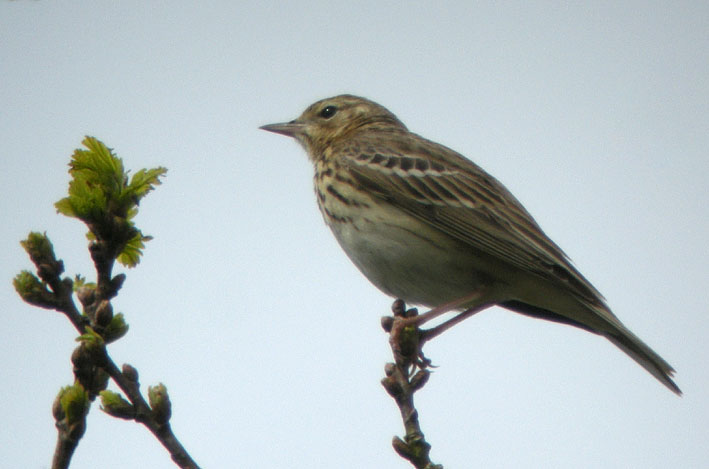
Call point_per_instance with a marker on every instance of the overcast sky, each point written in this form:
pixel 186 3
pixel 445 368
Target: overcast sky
pixel 595 116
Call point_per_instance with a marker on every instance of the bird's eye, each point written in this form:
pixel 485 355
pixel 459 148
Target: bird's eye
pixel 328 112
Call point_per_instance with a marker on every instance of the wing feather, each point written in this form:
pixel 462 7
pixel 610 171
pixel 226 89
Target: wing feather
pixel 447 191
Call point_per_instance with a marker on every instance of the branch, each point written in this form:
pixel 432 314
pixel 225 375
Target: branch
pixel 155 416
pixel 92 363
pixel 401 385
pixel 103 197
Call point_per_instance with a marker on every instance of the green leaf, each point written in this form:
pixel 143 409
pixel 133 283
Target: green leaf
pixel 26 282
pixel 91 339
pixel 101 195
pixel 99 166
pixel 115 405
pixel 65 207
pixel 74 402
pixel 116 329
pixel 97 177
pixel 80 281
pixel 38 247
pixel 133 249
pixel 143 182
pixel 160 403
pixel 31 289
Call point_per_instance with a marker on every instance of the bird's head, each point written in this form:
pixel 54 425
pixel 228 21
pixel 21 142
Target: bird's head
pixel 330 120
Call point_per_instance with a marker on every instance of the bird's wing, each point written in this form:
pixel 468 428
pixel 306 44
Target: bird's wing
pixel 454 195
pixel 457 197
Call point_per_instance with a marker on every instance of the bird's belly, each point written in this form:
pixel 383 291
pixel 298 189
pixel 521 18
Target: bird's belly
pixel 408 259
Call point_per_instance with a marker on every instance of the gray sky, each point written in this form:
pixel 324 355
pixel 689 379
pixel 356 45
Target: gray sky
pixel 595 117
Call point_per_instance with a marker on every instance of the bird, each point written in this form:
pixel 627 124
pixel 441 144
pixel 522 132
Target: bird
pixel 427 225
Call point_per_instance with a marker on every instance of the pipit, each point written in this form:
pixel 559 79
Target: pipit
pixel 427 225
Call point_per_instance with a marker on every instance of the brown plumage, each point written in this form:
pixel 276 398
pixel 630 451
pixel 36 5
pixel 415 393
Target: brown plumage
pixel 427 225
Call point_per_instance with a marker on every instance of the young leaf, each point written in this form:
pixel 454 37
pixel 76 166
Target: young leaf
pixel 144 181
pixel 116 329
pixel 133 249
pixel 75 402
pixel 114 404
pixel 101 195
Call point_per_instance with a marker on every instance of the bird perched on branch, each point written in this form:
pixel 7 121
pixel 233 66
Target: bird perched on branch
pixel 427 225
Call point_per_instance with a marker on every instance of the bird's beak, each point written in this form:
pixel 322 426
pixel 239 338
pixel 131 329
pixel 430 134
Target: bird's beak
pixel 290 129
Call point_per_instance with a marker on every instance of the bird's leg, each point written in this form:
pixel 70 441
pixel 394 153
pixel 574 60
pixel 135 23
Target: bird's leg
pixel 445 308
pixel 429 334
pixel 407 339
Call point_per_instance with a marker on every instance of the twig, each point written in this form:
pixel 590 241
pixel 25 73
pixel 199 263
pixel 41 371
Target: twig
pixel 401 385
pixel 68 437
pixel 103 254
pixel 92 364
pixel 103 196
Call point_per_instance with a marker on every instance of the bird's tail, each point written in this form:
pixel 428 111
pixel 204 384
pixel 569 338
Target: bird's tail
pixel 644 355
pixel 599 320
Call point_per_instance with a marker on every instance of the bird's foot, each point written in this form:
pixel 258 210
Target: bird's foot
pixel 406 338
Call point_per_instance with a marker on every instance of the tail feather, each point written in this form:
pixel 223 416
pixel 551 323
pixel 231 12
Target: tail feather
pixel 645 357
pixel 611 328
